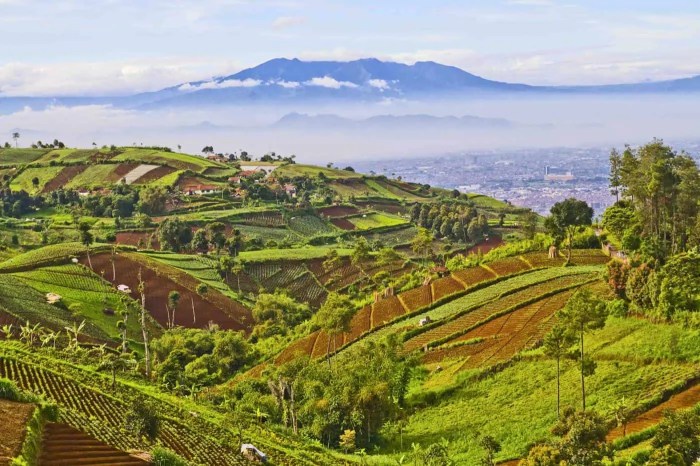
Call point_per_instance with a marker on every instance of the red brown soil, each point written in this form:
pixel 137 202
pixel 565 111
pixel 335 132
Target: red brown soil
pixel 445 286
pixel 338 211
pixel 685 399
pixel 63 177
pixel 384 207
pixel 386 310
pixel 132 238
pixel 213 306
pixel 487 245
pixel 119 171
pixel 14 417
pixel 343 223
pixel 62 445
pixel 154 174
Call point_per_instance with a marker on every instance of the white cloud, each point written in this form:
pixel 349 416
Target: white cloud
pixel 104 78
pixel 284 22
pixel 379 84
pixel 287 84
pixel 329 82
pixel 188 87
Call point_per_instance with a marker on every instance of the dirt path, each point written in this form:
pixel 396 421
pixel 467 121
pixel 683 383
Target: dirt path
pixel 14 417
pixel 685 399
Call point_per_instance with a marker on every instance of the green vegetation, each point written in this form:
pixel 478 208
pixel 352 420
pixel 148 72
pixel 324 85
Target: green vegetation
pixel 331 317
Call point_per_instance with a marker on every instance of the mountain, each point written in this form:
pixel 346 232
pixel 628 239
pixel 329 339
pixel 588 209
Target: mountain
pixel 294 81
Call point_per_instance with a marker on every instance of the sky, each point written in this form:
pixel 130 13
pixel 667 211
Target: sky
pixel 116 47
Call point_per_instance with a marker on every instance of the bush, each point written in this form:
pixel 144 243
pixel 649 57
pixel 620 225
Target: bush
pixel 164 457
pixel 9 391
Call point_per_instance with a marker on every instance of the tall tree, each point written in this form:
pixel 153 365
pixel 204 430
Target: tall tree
pixel 15 136
pixel 556 344
pixel 144 328
pixel 173 300
pixel 422 244
pixel 583 313
pixel 334 318
pixel 86 238
pixel 615 173
pixel 567 217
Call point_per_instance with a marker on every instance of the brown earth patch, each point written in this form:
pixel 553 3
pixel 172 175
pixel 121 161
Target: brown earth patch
pixel 14 417
pixel 160 280
pixel 154 174
pixel 486 245
pixel 120 171
pixel 343 223
pixel 63 177
pixel 338 211
pixel 132 238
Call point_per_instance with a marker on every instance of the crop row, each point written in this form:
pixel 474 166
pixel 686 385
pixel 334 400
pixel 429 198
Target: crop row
pixel 501 304
pixel 262 219
pixel 104 416
pixel 508 266
pixel 52 254
pixel 309 225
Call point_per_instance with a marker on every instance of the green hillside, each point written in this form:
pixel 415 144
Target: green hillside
pixel 151 299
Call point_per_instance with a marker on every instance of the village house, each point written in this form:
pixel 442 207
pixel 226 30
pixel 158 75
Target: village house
pixel 199 189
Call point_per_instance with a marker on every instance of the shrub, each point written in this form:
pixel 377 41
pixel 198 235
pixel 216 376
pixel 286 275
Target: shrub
pixel 164 457
pixel 9 391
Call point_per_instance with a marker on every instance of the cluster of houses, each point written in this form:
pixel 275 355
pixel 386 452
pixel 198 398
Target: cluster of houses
pixel 248 171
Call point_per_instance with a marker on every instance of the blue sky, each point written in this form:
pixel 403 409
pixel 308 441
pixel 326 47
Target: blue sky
pixel 122 46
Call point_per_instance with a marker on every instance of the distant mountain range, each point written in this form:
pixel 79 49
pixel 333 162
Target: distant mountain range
pixel 291 80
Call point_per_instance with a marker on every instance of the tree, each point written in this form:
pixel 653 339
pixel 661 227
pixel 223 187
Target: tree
pixel 142 420
pixel 566 218
pixel 35 182
pixel 529 222
pixel 542 455
pixel 491 447
pixel 86 238
pixel 217 238
pixel 583 313
pixel 173 300
pixel 15 136
pixel 583 437
pixel 142 321
pixel 200 243
pixel 615 173
pixel 623 415
pixel 679 285
pixel 152 200
pixel 422 243
pixel 202 289
pixel 361 254
pixel 334 318
pixel 347 440
pixel 556 344
pixel 174 234
pixel 680 431
pixel 113 363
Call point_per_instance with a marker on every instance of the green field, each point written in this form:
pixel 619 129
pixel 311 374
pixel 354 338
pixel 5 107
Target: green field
pixel 172 159
pixel 374 220
pixel 303 253
pixel 14 156
pixel 293 170
pixel 23 181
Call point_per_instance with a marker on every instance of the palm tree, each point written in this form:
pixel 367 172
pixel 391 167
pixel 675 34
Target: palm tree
pixel 49 337
pixel 73 332
pixel 7 331
pixel 15 136
pixel 28 332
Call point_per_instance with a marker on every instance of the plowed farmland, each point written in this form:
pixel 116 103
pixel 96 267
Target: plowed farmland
pixel 160 281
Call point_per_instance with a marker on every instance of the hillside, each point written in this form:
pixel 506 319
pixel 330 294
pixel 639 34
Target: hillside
pixel 319 313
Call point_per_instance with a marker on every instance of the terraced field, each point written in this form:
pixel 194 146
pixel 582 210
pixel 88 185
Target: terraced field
pixel 63 445
pixel 161 279
pixel 14 417
pixel 503 303
pixel 102 416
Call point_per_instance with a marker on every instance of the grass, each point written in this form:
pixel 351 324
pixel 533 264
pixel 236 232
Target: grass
pixel 93 176
pixel 293 170
pixel 487 202
pixel 23 181
pixel 16 156
pixel 85 294
pixel 374 220
pixel 172 159
pixel 305 253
